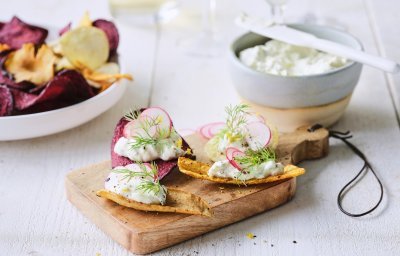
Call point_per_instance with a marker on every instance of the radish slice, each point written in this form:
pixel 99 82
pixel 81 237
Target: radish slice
pixel 231 153
pixel 210 130
pixel 259 135
pixel 253 117
pixel 159 114
pixel 129 130
pixel 135 128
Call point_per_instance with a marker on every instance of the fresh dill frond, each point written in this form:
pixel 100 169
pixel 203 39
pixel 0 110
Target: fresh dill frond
pixel 150 186
pixel 139 142
pixel 146 135
pixel 236 118
pixel 256 157
pixel 132 115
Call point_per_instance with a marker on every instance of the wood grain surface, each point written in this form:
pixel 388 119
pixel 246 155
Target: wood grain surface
pixel 144 232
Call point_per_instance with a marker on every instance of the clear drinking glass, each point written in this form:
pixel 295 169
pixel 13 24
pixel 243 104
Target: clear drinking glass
pixel 206 43
pixel 277 9
pixel 143 12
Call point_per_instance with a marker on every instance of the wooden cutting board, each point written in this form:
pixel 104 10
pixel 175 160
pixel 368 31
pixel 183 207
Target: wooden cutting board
pixel 145 232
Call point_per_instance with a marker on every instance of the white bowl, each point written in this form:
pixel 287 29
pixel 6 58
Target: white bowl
pixel 299 91
pixel 54 121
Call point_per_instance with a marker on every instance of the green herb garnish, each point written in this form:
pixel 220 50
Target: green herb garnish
pixel 132 115
pixel 151 186
pixel 145 138
pixel 236 116
pixel 256 157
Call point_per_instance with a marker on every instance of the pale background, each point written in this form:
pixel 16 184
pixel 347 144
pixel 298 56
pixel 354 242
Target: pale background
pixel 36 218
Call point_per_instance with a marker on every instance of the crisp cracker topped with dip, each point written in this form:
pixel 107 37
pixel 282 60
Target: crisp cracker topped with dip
pixel 144 149
pixel 242 149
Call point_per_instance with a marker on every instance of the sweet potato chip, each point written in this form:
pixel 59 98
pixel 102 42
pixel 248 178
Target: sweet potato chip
pixel 87 46
pixel 200 171
pixel 104 76
pixel 25 65
pixel 178 201
pixel 6 101
pixel 4 47
pixel 17 33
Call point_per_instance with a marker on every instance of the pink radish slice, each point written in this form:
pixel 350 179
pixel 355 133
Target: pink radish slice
pixel 210 130
pixel 259 135
pixel 231 153
pixel 253 117
pixel 129 129
pixel 135 128
pixel 157 113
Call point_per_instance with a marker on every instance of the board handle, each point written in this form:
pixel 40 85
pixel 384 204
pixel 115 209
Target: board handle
pixel 303 144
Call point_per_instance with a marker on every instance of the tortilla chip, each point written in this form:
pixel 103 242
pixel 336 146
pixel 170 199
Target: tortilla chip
pixel 200 171
pixel 178 201
pixel 25 65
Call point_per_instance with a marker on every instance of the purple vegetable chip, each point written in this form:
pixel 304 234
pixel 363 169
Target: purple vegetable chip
pixel 16 33
pixel 111 31
pixel 164 167
pixel 65 29
pixel 67 86
pixel 6 101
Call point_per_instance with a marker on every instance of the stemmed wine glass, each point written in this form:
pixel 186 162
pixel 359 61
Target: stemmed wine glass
pixel 277 9
pixel 206 43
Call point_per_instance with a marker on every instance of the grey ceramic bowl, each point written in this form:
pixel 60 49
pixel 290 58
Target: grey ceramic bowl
pixel 299 91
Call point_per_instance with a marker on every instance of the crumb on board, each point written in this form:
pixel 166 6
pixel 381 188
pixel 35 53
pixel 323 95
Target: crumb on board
pixel 250 235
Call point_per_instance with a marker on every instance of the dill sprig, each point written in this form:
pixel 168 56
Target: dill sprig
pixel 151 186
pixel 144 137
pixel 236 116
pixel 256 157
pixel 132 114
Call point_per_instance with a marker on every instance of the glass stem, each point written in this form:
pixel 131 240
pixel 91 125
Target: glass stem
pixel 277 13
pixel 209 17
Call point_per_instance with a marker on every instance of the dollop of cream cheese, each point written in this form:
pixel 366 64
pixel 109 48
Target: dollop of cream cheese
pixel 119 184
pixel 224 169
pixel 279 58
pixel 166 149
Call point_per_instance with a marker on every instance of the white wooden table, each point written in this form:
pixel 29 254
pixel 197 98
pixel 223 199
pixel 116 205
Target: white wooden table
pixel 36 218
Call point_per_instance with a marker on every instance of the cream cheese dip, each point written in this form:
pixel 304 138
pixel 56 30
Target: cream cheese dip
pixel 279 58
pixel 224 169
pixel 165 149
pixel 127 187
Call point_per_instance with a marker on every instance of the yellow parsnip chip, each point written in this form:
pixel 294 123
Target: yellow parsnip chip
pixel 200 171
pixel 87 46
pixel 177 201
pixel 25 65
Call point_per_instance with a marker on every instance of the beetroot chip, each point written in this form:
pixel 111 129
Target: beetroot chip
pixel 164 167
pixel 65 29
pixel 6 101
pixel 16 33
pixel 111 31
pixel 67 86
